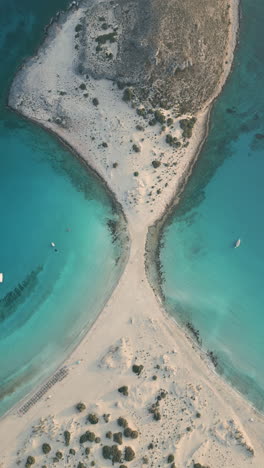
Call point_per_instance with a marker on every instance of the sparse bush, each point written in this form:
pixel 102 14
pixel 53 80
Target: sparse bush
pixel 46 448
pixel 92 418
pixel 81 465
pixel 59 455
pixel 109 435
pixel 122 422
pixel 72 451
pixel 123 390
pixel 156 415
pixel 67 437
pixel 104 26
pixel 104 144
pixel 82 86
pixel 156 163
pixel 137 369
pixel 97 440
pixel 170 458
pixel 198 415
pixel 169 121
pixel 107 416
pixel 134 434
pixel 80 407
pixel 117 437
pixel 140 127
pixel 87 451
pixel 129 454
pixel 145 460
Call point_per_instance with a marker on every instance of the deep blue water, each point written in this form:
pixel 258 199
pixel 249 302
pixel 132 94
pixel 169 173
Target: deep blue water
pixel 206 281
pixel 48 298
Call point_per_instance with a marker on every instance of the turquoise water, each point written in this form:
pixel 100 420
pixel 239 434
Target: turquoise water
pixel 217 288
pixel 48 298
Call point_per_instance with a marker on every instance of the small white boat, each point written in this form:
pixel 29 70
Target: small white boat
pixel 52 244
pixel 237 244
pixel 1 277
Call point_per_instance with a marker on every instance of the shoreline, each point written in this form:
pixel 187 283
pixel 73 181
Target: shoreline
pixel 142 332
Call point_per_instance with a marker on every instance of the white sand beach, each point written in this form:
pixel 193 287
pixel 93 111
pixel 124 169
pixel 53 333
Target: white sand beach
pixel 201 418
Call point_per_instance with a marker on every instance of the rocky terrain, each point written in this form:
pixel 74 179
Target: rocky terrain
pixel 169 53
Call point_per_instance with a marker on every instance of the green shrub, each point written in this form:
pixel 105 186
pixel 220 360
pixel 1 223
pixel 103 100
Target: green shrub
pixel 141 111
pixel 97 440
pixel 82 86
pixel 169 121
pixel 116 454
pixel 104 26
pixel 117 437
pixel 67 437
pixel 145 460
pixel 46 448
pixel 87 451
pixel 156 163
pixel 87 437
pixel 59 455
pixel 123 390
pixel 152 122
pixel 81 465
pixel 172 141
pixel 109 435
pixel 31 460
pixel 134 434
pixel 140 127
pixel 127 94
pixel 104 144
pixel 129 454
pixel 137 369
pixel 127 432
pixel 107 452
pixel 136 173
pixel 112 453
pixel 136 148
pixel 80 407
pixel 159 116
pixel 92 418
pixel 78 27
pixel 122 422
pixel 95 102
pixel 170 458
pixel 72 451
pixel 187 126
pixel 111 37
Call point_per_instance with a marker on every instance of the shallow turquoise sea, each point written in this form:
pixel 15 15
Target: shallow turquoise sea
pixel 207 282
pixel 48 298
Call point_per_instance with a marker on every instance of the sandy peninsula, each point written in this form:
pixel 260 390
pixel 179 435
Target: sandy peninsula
pixel 144 385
